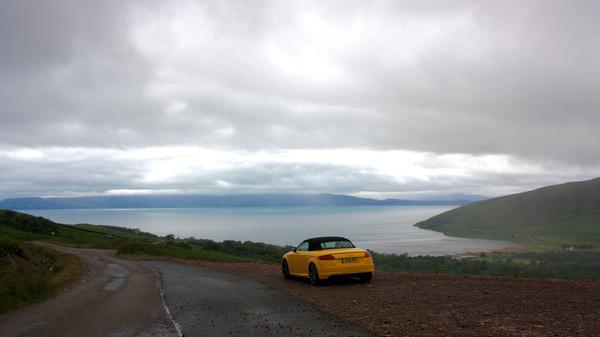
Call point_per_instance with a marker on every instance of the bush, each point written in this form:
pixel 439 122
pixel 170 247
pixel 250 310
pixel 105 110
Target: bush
pixel 9 246
pixel 137 249
pixel 255 250
pixel 559 264
pixel 183 244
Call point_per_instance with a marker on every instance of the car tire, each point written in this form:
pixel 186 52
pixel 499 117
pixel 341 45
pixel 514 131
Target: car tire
pixel 285 270
pixel 366 277
pixel 313 275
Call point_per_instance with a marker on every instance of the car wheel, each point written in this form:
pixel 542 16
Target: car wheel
pixel 313 274
pixel 285 270
pixel 366 277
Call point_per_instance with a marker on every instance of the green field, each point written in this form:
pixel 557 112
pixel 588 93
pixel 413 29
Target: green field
pixel 549 218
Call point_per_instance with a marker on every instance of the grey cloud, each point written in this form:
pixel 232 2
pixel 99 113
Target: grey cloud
pixel 99 174
pixel 83 173
pixel 517 78
pixel 493 77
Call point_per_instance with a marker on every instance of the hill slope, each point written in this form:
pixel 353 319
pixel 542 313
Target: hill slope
pixel 30 273
pixel 549 217
pixel 23 227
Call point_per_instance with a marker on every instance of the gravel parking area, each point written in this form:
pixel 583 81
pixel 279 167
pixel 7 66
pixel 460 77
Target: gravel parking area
pixel 406 304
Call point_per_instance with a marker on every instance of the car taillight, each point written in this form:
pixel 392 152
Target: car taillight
pixel 367 254
pixel 327 257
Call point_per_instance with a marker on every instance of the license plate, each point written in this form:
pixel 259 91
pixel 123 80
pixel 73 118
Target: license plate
pixel 349 260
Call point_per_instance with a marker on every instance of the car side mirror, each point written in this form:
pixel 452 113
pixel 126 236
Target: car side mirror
pixel 295 249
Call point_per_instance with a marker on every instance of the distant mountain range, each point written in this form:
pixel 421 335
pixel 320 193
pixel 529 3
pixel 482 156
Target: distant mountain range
pixel 549 217
pixel 243 200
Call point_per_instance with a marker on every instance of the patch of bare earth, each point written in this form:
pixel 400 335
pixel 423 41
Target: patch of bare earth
pixel 407 304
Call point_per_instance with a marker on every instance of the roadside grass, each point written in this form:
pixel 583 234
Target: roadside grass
pixel 208 250
pixel 30 273
pixel 122 232
pixel 177 251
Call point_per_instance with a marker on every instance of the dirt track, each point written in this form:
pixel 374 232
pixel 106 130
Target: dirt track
pixel 115 297
pixel 399 304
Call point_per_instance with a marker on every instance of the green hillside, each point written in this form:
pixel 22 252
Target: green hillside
pixel 547 218
pixel 24 227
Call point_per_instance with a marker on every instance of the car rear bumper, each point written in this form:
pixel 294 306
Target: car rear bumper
pixel 327 270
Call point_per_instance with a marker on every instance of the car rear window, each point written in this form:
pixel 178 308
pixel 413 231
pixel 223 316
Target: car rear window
pixel 336 244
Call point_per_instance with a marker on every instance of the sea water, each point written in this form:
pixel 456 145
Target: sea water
pixel 386 229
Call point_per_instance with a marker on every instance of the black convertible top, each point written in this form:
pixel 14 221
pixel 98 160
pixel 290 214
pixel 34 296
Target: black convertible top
pixel 326 239
pixel 313 243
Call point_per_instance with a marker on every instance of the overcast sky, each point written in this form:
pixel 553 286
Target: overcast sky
pixel 398 98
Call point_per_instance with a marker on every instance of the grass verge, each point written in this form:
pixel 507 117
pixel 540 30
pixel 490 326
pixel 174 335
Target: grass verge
pixel 29 273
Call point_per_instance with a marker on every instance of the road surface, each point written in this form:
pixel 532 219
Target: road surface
pixel 115 298
pixel 209 303
pixel 118 298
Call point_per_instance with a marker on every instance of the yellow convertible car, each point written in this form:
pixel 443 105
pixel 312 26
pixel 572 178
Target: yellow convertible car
pixel 320 258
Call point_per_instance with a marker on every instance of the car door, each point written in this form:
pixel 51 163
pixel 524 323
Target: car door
pixel 297 257
pixel 303 259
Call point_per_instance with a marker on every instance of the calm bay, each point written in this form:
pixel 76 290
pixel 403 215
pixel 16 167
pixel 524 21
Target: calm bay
pixel 385 229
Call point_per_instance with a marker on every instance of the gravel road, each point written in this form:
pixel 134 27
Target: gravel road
pixel 209 303
pixel 114 298
pixel 118 298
